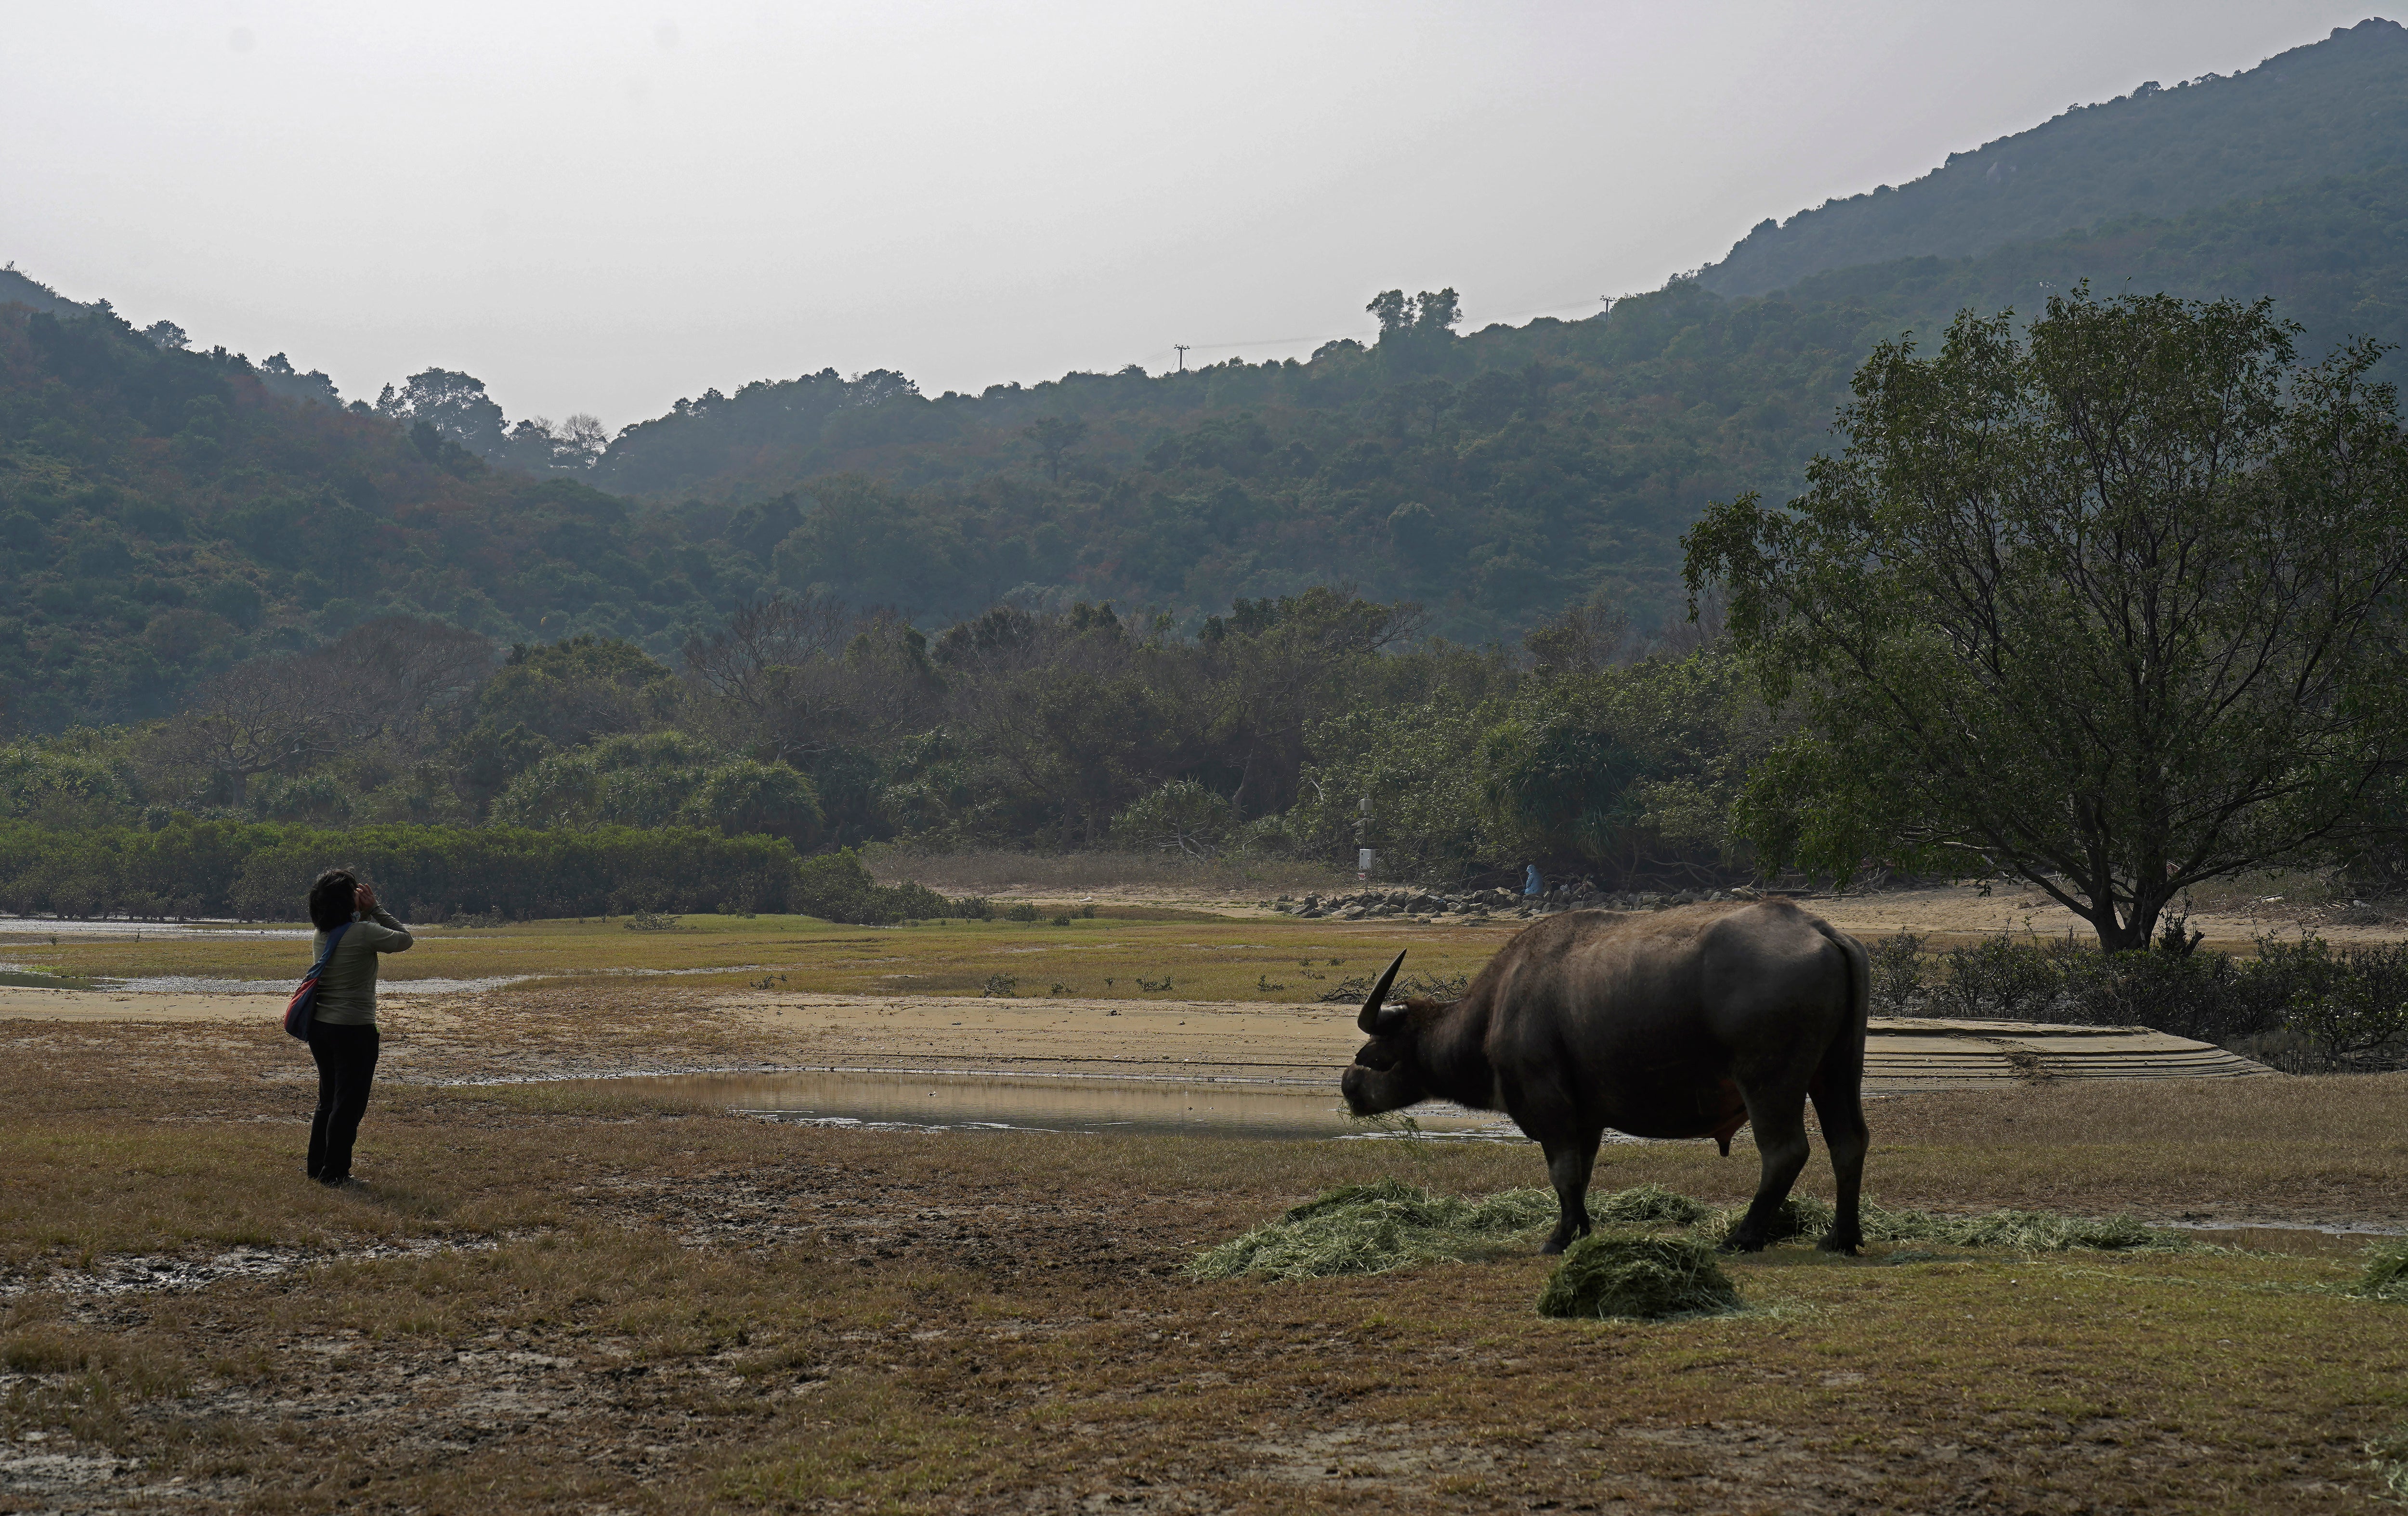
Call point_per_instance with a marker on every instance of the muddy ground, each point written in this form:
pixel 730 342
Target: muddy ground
pixel 559 1297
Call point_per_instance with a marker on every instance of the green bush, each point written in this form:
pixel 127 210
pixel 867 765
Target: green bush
pixel 836 886
pixel 262 871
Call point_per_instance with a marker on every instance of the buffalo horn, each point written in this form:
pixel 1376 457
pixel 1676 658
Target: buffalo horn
pixel 1370 1017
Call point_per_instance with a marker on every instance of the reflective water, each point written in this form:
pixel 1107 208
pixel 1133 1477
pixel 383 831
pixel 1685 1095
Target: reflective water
pixel 188 984
pixel 991 1100
pixel 146 931
pixel 33 978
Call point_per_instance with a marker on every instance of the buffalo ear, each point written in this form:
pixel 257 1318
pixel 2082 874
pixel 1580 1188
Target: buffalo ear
pixel 1369 1020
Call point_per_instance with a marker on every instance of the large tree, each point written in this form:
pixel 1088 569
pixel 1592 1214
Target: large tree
pixel 2113 607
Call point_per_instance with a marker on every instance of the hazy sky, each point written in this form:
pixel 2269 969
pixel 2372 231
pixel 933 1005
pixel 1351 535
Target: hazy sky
pixel 603 207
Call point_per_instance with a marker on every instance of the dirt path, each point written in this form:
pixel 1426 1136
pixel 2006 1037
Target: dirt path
pixel 126 1006
pixel 1055 1032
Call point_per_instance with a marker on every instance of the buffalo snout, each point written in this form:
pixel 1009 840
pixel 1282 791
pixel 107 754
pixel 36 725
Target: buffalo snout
pixel 1371 1091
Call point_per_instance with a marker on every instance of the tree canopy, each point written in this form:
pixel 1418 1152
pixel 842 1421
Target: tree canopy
pixel 2114 608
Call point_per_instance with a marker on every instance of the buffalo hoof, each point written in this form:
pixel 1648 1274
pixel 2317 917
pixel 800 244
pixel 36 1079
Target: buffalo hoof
pixel 1562 1237
pixel 1742 1242
pixel 1834 1242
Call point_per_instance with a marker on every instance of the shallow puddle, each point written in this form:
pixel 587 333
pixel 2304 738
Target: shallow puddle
pixel 984 1100
pixel 146 931
pixel 188 984
pixel 33 978
pixel 2310 1238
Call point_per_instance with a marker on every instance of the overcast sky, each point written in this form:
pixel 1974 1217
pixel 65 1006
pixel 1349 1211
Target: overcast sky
pixel 603 207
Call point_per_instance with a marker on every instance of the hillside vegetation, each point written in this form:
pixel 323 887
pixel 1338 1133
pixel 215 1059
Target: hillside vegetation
pixel 166 513
pixel 2338 107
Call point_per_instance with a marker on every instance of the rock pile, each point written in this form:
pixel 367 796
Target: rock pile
pixel 1474 905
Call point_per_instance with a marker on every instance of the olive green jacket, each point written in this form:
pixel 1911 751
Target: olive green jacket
pixel 347 985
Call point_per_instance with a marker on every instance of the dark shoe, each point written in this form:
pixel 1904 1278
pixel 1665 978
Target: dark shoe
pixel 346 1182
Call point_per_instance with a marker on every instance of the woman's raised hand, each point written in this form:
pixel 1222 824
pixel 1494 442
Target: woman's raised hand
pixel 364 898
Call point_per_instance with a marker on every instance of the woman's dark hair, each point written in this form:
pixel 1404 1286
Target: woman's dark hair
pixel 333 898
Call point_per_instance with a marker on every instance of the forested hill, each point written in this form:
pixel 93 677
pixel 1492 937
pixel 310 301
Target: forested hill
pixel 2338 107
pixel 1492 476
pixel 165 513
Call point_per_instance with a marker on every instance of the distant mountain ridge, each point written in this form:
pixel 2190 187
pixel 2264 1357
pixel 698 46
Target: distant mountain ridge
pixel 165 512
pixel 2338 107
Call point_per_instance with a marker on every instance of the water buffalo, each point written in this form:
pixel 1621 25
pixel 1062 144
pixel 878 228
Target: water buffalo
pixel 1684 1023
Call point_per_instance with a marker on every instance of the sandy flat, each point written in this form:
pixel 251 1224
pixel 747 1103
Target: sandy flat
pixel 1055 1031
pixel 125 1006
pixel 1210 1040
pixel 1181 1039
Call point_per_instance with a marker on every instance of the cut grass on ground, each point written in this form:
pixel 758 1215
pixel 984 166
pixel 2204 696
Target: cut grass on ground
pixel 1387 1225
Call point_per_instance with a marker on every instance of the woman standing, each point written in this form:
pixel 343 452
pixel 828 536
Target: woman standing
pixel 343 1034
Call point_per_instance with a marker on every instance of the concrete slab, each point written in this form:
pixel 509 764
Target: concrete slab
pixel 1920 1054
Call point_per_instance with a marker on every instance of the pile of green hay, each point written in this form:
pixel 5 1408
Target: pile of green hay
pixel 2017 1231
pixel 2388 1458
pixel 1801 1216
pixel 1373 1229
pixel 1649 1205
pixel 2023 1231
pixel 2387 1272
pixel 1641 1275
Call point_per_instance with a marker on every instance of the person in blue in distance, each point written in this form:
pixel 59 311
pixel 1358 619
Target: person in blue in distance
pixel 1532 883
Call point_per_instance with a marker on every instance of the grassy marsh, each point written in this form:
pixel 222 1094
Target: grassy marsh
pixel 667 1308
pixel 1114 953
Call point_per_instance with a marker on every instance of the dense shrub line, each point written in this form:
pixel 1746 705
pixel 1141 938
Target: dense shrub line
pixel 260 871
pixel 2302 1005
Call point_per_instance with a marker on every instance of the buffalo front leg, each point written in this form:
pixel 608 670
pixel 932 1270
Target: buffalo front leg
pixel 1568 1162
pixel 1780 1123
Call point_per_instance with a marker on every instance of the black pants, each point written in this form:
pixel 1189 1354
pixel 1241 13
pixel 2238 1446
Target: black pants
pixel 347 1060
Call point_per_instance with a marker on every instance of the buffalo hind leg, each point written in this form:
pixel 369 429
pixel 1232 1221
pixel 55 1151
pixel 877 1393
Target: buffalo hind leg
pixel 1840 1105
pixel 1568 1162
pixel 1778 1119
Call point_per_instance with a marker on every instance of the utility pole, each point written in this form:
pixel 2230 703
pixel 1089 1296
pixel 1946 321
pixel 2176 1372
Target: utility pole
pixel 1182 355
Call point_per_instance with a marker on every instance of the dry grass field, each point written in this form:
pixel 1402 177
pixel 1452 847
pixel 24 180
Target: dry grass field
pixel 576 1295
pixel 569 1296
